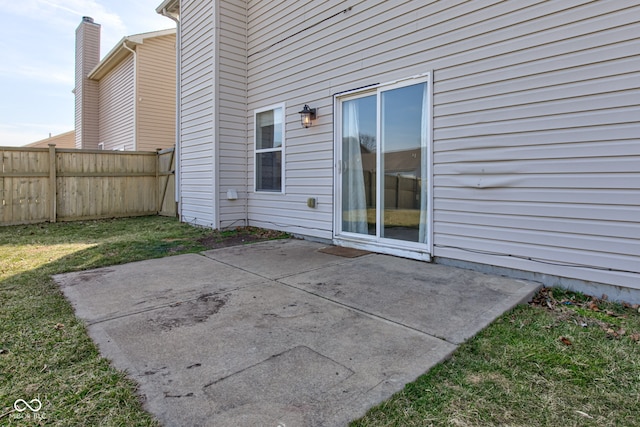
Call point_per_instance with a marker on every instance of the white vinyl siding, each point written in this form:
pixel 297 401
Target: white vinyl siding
pixel 536 124
pixel 116 107
pixel 156 94
pixel 232 119
pixel 197 162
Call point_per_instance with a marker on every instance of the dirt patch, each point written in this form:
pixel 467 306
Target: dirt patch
pixel 89 276
pixel 239 236
pixel 189 313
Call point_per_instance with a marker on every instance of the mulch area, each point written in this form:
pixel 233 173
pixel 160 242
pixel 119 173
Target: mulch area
pixel 589 311
pixel 239 236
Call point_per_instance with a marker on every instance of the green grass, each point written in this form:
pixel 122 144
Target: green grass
pixel 571 362
pixel 45 352
pixel 565 360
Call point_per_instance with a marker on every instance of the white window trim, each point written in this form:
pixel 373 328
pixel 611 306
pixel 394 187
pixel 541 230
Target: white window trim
pixel 257 151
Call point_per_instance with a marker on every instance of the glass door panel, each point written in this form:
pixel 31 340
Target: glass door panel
pixel 403 162
pixel 384 175
pixel 359 148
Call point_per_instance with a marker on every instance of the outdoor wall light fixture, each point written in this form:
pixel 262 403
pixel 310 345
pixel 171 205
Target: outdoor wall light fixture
pixel 307 115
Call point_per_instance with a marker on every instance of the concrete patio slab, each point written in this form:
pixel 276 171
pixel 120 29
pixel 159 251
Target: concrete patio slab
pixel 423 296
pixel 277 333
pixel 106 293
pixel 277 258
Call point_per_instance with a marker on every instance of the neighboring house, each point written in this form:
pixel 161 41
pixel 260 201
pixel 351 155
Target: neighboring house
pixel 127 100
pixel 64 140
pixel 501 136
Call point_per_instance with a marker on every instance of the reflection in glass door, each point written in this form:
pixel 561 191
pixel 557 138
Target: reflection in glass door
pixel 384 164
pixel 403 140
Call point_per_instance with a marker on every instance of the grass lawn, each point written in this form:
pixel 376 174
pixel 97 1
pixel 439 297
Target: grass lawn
pixel 45 352
pixel 564 360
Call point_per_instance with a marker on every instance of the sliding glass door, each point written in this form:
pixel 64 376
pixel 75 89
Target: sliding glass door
pixel 385 164
pixel 359 160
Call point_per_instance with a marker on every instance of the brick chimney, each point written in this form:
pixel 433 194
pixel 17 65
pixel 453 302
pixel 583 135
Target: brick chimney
pixel 86 91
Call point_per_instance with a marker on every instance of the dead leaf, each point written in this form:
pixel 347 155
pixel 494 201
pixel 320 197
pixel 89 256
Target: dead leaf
pixel 635 337
pixel 565 341
pixel 58 326
pixel 615 334
pixel 593 306
pixel 612 314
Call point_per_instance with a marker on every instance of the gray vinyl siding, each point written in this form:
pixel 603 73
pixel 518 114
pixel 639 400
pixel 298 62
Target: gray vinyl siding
pixel 535 121
pixel 279 74
pixel 536 147
pixel 197 161
pixel 232 115
pixel 116 107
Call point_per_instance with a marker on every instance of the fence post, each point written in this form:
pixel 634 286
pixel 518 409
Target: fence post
pixel 52 183
pixel 158 199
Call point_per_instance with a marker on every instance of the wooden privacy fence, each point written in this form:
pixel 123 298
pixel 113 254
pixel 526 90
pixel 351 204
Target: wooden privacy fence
pixel 400 192
pixel 49 184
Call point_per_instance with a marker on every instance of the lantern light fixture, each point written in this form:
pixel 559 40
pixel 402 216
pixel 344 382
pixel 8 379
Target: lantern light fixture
pixel 307 115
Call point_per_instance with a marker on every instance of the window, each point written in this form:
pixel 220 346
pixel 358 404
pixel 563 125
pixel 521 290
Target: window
pixel 269 149
pixel 384 148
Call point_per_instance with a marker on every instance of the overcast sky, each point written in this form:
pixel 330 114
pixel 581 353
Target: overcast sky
pixel 37 40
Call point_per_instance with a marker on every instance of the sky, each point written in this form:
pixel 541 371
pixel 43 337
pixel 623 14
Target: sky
pixel 37 41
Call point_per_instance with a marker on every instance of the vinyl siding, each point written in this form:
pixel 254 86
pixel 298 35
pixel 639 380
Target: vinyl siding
pixel 197 162
pixel 274 62
pixel 535 121
pixel 156 95
pixel 232 113
pixel 116 107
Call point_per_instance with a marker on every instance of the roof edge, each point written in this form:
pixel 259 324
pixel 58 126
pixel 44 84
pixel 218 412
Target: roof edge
pixel 118 53
pixel 52 137
pixel 171 6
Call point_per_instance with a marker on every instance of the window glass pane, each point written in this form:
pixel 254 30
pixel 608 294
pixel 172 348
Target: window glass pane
pixel 403 139
pixel 385 164
pixel 269 171
pixel 269 129
pixel 359 165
